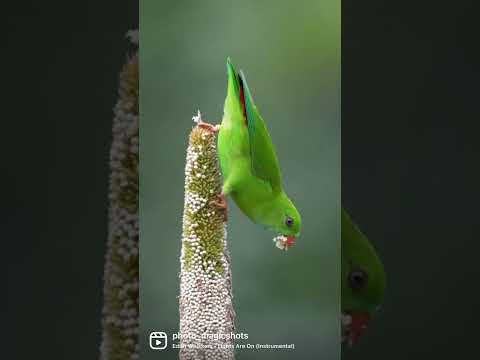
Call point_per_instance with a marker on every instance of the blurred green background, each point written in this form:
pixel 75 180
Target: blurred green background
pixel 290 53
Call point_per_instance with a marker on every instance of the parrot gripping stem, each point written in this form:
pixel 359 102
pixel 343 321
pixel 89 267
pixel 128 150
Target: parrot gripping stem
pixel 221 204
pixel 204 125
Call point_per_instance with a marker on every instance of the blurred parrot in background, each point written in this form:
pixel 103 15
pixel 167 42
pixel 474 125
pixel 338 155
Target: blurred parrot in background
pixel 363 281
pixel 249 165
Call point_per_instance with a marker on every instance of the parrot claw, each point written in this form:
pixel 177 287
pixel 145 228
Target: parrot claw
pixel 221 204
pixel 200 123
pixel 212 128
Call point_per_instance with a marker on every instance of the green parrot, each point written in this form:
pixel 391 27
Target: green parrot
pixel 363 281
pixel 249 165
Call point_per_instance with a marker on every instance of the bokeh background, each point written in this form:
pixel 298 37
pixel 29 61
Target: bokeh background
pixel 59 91
pixel 290 53
pixel 410 173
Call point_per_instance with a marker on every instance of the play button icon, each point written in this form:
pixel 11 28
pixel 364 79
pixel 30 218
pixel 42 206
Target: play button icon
pixel 158 340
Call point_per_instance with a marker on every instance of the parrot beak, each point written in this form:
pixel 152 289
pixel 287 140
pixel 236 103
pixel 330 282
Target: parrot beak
pixel 290 241
pixel 353 326
pixel 284 242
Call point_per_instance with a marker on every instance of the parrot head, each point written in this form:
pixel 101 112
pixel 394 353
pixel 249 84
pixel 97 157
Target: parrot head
pixel 363 281
pixel 286 221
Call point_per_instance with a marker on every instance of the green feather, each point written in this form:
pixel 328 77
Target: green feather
pixel 248 162
pixel 264 160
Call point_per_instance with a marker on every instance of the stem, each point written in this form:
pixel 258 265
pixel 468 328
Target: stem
pixel 120 307
pixel 206 307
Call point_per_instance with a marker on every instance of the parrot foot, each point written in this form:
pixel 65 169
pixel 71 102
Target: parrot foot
pixel 212 128
pixel 221 204
pixel 200 123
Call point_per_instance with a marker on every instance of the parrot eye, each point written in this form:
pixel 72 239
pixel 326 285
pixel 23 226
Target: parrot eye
pixel 357 279
pixel 289 221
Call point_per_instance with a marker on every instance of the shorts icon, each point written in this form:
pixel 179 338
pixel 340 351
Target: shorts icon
pixel 158 340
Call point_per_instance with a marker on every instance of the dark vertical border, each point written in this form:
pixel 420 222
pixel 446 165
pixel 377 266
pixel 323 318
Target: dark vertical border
pixel 60 66
pixel 410 175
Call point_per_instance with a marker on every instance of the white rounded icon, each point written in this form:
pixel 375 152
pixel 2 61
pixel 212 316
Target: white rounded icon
pixel 158 340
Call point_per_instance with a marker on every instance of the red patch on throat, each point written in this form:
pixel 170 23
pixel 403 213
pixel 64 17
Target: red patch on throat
pixel 242 101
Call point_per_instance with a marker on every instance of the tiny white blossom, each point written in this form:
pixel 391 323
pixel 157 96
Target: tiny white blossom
pixel 197 118
pixel 205 300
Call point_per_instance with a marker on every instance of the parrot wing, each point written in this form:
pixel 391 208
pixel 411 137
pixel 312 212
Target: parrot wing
pixel 262 152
